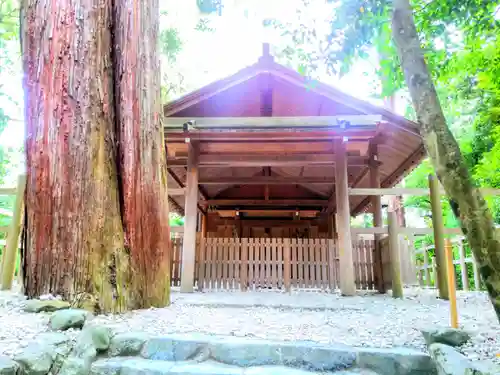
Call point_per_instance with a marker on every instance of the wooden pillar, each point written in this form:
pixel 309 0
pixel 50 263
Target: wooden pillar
pixel 438 228
pixel 331 252
pixel 9 258
pixel 202 258
pixel 347 286
pixel 190 210
pixel 397 285
pixel 377 220
pixel 204 226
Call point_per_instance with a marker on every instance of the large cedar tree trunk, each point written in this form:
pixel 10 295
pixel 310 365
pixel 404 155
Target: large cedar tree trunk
pixel 476 219
pixel 141 149
pixel 92 217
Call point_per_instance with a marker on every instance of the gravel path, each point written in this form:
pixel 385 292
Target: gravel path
pixel 364 320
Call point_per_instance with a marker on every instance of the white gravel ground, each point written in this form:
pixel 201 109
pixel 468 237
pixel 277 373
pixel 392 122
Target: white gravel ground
pixel 364 320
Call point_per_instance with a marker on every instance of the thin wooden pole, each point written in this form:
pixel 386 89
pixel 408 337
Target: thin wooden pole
pixel 397 285
pixel 452 293
pixel 463 266
pixel 438 228
pixel 9 261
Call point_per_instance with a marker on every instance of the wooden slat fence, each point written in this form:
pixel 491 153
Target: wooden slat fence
pixel 363 264
pixel 426 266
pixel 271 263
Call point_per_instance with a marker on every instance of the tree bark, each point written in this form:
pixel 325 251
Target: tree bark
pixel 141 148
pixel 476 219
pixel 96 199
pixel 74 243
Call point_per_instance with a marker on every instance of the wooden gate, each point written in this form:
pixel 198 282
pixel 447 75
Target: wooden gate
pixel 277 263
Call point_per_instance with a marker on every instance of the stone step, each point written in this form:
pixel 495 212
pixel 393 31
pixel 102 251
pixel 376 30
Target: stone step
pixel 243 352
pixel 140 366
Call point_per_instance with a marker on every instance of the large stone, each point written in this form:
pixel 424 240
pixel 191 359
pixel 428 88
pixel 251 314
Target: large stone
pixel 130 366
pixel 203 368
pixel 52 338
pixel 311 356
pixel 36 305
pixel 36 359
pixel 174 347
pixel 449 336
pixel 8 366
pixel 75 366
pixel 450 362
pixel 395 361
pixel 70 318
pixel 127 344
pixel 91 341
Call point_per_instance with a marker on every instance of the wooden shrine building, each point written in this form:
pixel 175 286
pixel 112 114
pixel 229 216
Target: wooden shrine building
pixel 268 169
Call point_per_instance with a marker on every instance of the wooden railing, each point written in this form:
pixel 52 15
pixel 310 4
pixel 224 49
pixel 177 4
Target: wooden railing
pixel 271 263
pixel 426 266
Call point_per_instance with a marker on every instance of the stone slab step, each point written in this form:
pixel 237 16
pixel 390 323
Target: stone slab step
pixel 140 366
pixel 243 352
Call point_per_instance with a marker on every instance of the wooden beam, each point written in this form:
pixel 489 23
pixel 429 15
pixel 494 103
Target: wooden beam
pixel 354 134
pixel 267 223
pixel 339 122
pixel 263 202
pixel 409 191
pixel 7 190
pixel 176 192
pixel 190 210
pixel 249 160
pixel 347 285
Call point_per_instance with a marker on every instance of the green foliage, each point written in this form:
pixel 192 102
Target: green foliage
pixel 176 220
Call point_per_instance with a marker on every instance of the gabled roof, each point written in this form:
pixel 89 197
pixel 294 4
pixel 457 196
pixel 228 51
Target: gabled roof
pixel 243 94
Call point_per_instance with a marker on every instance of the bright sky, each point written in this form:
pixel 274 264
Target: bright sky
pixel 209 56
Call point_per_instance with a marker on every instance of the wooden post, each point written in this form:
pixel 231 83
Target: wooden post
pixel 190 210
pixel 331 252
pixel 463 266
pixel 204 226
pixel 244 265
pixel 9 259
pixel 412 259
pixel 477 279
pixel 347 286
pixel 397 285
pixel 434 272
pixel 286 259
pixel 427 272
pixel 451 284
pixel 377 221
pixel 438 228
pixel 202 259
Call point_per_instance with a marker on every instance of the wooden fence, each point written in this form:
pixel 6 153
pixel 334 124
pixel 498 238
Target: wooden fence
pixel 427 270
pixel 271 263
